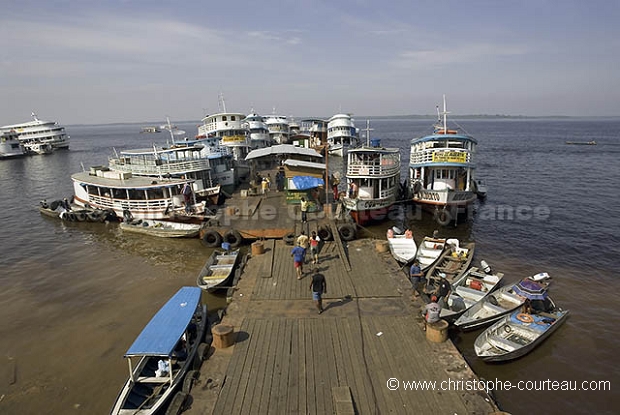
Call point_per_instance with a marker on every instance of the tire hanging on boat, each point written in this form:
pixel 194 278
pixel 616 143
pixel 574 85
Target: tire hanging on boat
pixel 347 232
pixel 127 215
pixel 212 239
pixel 80 216
pixel 289 238
pixel 443 217
pixel 325 234
pixel 233 237
pixel 69 216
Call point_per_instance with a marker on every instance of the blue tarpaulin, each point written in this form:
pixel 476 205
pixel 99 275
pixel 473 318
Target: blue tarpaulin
pixel 307 182
pixel 162 333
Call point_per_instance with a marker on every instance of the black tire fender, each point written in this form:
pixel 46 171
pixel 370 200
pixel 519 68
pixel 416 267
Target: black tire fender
pixel 127 215
pixel 212 238
pixel 177 403
pixel 325 233
pixel 347 232
pixel 80 216
pixel 289 238
pixel 233 237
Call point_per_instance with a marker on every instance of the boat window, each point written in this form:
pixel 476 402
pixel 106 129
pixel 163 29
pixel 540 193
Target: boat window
pixel 224 118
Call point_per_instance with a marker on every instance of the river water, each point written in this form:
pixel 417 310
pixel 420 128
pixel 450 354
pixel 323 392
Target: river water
pixel 75 295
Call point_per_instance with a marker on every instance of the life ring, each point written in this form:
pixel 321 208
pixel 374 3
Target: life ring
pixel 443 217
pixel 127 215
pixel 289 238
pixel 212 238
pixel 347 232
pixel 525 318
pixel 233 237
pixel 325 233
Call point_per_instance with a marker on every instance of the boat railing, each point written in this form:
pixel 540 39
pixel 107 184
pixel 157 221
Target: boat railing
pixel 444 155
pixel 122 204
pixel 361 169
pixel 158 167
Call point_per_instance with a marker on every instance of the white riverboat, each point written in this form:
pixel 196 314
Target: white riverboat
pixel 40 132
pixel 132 197
pixel 341 134
pixel 10 146
pixel 373 181
pixel 441 171
pixel 175 161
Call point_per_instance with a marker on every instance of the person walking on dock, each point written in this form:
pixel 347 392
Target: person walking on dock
pixel 415 275
pixel 299 254
pixel 314 247
pixel 303 240
pixel 304 210
pixel 318 286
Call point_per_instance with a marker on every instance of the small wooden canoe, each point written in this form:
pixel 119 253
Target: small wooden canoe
pixel 162 228
pixel 218 271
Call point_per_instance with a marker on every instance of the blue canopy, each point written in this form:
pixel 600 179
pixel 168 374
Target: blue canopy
pixel 531 289
pixel 162 333
pixel 306 182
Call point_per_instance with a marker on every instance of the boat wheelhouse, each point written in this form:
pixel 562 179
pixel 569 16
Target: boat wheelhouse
pixel 279 129
pixel 40 132
pixel 220 160
pixel 441 171
pixel 373 180
pixel 316 129
pixel 176 161
pixel 341 134
pixel 130 196
pixel 10 146
pixel 257 130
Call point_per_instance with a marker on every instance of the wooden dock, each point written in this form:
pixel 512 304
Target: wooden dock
pixel 289 360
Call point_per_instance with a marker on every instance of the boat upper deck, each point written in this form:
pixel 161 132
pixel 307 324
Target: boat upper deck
pixel 122 181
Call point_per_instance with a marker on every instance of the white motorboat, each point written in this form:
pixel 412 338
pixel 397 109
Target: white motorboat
pixel 162 228
pixel 503 301
pixel 441 171
pixel 469 290
pixel 402 246
pixel 167 348
pixel 518 333
pixel 429 251
pixel 39 131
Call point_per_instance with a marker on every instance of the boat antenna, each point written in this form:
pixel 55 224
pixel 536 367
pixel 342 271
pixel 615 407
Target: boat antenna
pixel 82 164
pixel 170 129
pixel 445 113
pixel 368 130
pixel 34 115
pixel 221 103
pixel 115 153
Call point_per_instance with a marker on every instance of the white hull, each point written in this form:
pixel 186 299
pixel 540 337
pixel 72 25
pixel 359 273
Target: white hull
pixel 403 249
pixel 162 229
pixel 38 131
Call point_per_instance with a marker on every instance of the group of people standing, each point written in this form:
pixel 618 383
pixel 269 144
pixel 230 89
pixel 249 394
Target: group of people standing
pixel 318 285
pixel 265 182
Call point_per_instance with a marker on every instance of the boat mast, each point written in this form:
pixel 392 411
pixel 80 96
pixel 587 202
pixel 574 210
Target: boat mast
pixel 221 103
pixel 368 130
pixel 170 129
pixel 445 118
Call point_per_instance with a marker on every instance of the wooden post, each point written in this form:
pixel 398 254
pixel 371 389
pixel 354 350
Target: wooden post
pixel 223 336
pixel 437 332
pixel 257 248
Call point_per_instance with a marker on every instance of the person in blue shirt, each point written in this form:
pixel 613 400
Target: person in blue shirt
pixel 415 275
pixel 299 254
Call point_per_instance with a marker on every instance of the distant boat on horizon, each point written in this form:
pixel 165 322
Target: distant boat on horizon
pixel 582 143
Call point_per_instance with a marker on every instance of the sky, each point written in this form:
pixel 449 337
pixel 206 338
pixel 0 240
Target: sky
pixel 108 61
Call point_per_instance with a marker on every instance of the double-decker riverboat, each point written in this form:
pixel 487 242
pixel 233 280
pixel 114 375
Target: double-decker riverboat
pixel 441 171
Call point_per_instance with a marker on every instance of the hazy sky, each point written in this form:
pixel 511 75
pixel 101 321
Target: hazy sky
pixel 101 61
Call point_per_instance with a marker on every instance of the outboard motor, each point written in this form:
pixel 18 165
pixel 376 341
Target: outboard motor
pixel 485 267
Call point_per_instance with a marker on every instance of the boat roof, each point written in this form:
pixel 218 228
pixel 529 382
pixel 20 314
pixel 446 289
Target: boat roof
pixel 282 149
pixel 162 333
pixel 133 182
pixel 444 137
pixel 303 163
pixel 367 149
pixel 151 151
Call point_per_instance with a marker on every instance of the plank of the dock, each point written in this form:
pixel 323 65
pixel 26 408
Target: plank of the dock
pixel 264 262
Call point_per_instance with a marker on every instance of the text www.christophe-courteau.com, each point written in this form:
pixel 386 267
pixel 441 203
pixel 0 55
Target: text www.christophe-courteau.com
pixel 394 384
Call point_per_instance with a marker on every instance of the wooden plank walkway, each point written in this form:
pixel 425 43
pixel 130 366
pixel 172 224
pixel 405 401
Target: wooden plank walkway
pixel 290 360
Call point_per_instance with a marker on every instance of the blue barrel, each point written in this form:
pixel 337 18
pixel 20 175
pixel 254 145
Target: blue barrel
pixel 225 246
pixel 375 142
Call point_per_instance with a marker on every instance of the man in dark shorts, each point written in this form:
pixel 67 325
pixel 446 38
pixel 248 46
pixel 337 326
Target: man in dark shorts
pixel 443 291
pixel 318 286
